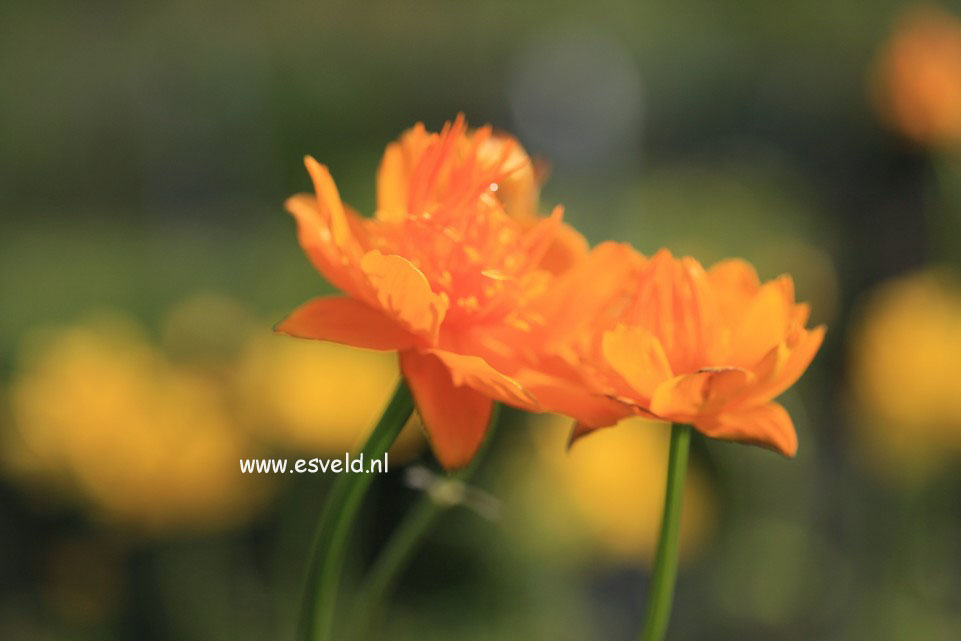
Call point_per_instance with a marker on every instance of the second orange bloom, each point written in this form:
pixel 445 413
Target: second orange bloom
pixel 665 338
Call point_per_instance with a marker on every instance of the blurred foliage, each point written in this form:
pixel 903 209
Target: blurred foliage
pixel 147 149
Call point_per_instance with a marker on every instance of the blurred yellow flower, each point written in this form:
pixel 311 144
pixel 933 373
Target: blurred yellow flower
pixel 318 397
pixel 917 84
pixel 102 417
pixel 905 355
pixel 607 491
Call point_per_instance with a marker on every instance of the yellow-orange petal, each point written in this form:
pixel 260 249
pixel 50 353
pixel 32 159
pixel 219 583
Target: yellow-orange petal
pixel 800 356
pixel 770 367
pixel 785 283
pixel 684 398
pixel 345 320
pixel 800 314
pixel 734 282
pixel 638 357
pixel 404 294
pixel 476 373
pixel 735 275
pixel 768 425
pixel 762 326
pixel 675 302
pixel 455 417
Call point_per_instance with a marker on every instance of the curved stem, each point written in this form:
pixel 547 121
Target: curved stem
pixel 665 562
pixel 403 544
pixel 337 520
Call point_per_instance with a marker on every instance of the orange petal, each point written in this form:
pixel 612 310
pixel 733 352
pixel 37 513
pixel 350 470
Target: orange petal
pixel 734 274
pixel 329 199
pixel 773 363
pixel 475 372
pixel 518 187
pixel 555 245
pixel 579 431
pixel 405 295
pixel 735 282
pixel 568 248
pixel 392 184
pixel 638 357
pixel 800 314
pixel 762 326
pixel 800 356
pixel 675 302
pixel 684 398
pixel 768 425
pixel 563 395
pixel 345 320
pixel 455 417
pixel 785 283
pixel 577 297
pixel 313 232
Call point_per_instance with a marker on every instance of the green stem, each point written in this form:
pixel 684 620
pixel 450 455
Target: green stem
pixel 336 522
pixel 665 562
pixel 403 544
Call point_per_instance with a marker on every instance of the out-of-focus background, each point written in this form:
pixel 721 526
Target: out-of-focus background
pixel 145 152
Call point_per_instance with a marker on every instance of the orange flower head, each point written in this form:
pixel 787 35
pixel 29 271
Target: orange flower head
pixel 664 337
pixel 447 263
pixel 918 77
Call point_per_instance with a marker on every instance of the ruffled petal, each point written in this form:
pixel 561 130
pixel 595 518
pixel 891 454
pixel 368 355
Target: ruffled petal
pixel 568 248
pixel 768 425
pixel 553 244
pixel 564 395
pixel 575 300
pixel 518 189
pixel 404 294
pixel 638 357
pixel 683 398
pixel 475 372
pixel 348 321
pixel 675 302
pixel 455 417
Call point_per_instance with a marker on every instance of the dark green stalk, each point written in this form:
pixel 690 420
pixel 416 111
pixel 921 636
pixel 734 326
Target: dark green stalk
pixel 337 520
pixel 403 544
pixel 665 561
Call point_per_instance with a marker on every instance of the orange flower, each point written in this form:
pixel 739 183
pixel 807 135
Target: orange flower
pixel 918 77
pixel 662 337
pixel 453 252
